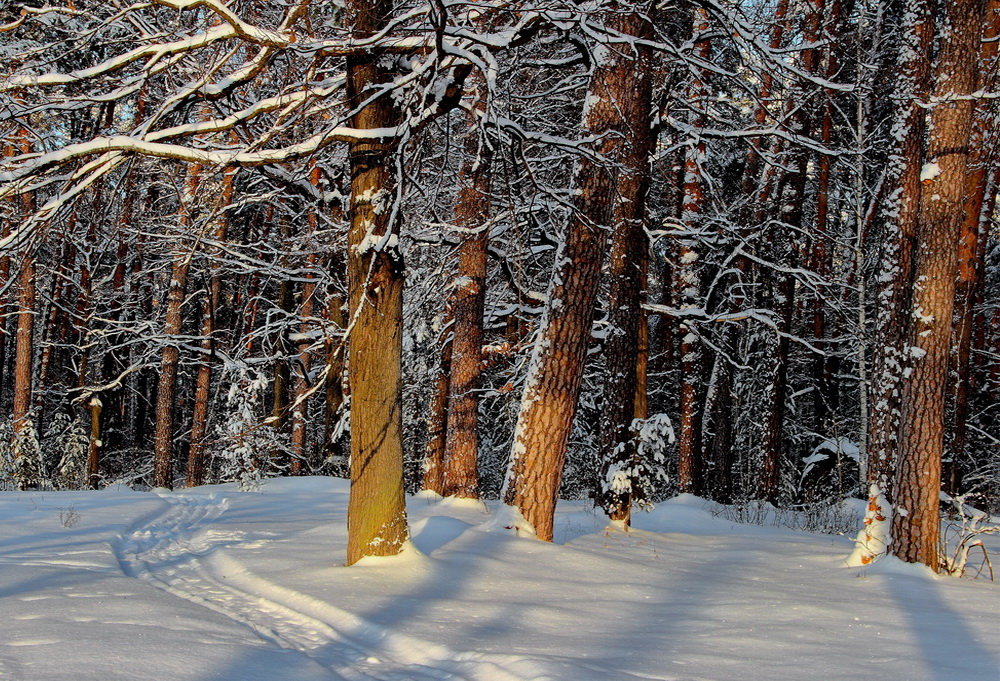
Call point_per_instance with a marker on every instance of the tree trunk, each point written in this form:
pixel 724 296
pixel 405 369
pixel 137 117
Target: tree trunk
pixel 552 385
pixel 300 406
pixel 687 271
pixel 624 366
pixel 472 213
pixel 916 520
pixel 166 389
pixel 24 347
pixel 285 303
pixel 437 420
pixel 376 515
pixel 895 268
pixel 972 254
pixel 334 388
pixel 209 310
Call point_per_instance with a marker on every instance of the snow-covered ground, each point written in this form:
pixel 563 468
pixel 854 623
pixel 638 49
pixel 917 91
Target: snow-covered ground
pixel 213 583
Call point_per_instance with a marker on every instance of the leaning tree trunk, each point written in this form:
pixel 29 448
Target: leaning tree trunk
pixel 376 514
pixel 916 520
pixel 552 385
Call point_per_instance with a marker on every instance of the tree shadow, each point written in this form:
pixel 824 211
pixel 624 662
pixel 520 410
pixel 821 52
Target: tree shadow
pixel 948 644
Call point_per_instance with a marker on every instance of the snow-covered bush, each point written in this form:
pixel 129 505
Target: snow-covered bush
pixel 962 532
pixel 636 477
pixel 21 464
pixel 67 438
pixel 247 443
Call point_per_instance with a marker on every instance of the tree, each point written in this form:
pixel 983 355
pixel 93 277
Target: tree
pixel 895 266
pixel 916 517
pixel 552 385
pixel 460 476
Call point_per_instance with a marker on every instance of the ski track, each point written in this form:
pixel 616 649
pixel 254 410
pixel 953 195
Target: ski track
pixel 174 551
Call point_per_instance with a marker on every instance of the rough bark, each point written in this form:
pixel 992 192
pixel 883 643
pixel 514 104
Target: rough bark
pixel 552 385
pixel 472 213
pixel 900 217
pixel 627 258
pixel 916 520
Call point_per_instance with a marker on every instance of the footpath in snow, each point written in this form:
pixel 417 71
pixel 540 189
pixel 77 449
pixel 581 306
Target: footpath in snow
pixel 214 583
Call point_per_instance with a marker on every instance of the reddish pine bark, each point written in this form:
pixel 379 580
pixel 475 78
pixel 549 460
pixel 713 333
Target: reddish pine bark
pixel 972 253
pixel 889 338
pixel 461 450
pixel 24 347
pixel 552 386
pixel 916 520
pixel 166 389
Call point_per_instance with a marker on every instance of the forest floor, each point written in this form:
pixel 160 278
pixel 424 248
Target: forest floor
pixel 214 583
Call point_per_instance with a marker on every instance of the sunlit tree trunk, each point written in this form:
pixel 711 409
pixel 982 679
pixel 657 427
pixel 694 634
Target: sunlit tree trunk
pixel 972 253
pixel 552 385
pixel 916 520
pixel 376 516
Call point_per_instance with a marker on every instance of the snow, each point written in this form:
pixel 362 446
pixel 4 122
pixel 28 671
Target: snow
pixel 214 583
pixel 929 171
pixel 873 538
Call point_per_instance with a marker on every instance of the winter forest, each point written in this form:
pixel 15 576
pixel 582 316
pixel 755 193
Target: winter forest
pixel 606 252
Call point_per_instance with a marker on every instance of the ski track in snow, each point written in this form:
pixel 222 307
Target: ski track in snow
pixel 176 552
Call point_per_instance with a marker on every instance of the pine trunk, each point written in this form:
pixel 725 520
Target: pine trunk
pixel 916 520
pixel 627 258
pixel 896 266
pixel 552 385
pixel 166 389
pixel 472 214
